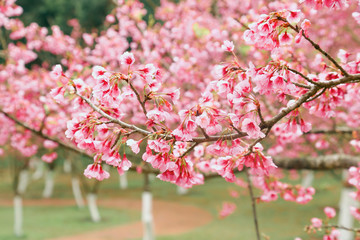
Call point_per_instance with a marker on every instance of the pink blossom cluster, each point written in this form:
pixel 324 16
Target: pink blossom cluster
pixel 272 31
pixel 272 188
pixel 317 224
pixel 186 93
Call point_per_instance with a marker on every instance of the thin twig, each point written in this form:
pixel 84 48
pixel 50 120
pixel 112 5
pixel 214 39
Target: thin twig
pixel 260 114
pixel 300 85
pixel 142 103
pixel 64 145
pixel 302 75
pixel 253 204
pixel 204 133
pixel 114 120
pixel 189 150
pixel 316 46
pixel 317 95
pixel 356 230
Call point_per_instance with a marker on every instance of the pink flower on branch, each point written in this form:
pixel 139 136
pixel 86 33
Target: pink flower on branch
pixel 127 58
pixel 50 157
pixel 330 212
pixel 228 46
pixel 99 72
pixel 250 127
pixel 57 72
pixel 316 222
pixel 96 171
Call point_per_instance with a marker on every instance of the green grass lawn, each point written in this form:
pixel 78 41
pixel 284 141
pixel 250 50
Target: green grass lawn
pixel 46 222
pixel 279 220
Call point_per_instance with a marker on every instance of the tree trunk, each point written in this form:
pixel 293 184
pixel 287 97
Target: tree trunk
pixel 94 211
pixel 39 172
pixel 181 190
pixel 152 177
pixel 146 216
pixel 75 184
pixel 123 181
pixel 345 217
pixel 49 184
pixel 18 216
pixel 67 166
pixel 23 181
pixel 308 178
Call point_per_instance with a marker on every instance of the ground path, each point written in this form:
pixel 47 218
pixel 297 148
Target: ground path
pixel 170 218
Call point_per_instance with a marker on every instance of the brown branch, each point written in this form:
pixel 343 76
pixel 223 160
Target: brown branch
pixel 204 133
pixel 142 103
pixel 302 75
pixel 356 230
pixel 189 150
pixel 300 85
pixel 40 134
pixel 287 110
pixel 349 79
pixel 337 130
pixel 260 114
pixel 114 120
pixel 317 95
pixel 266 124
pixel 326 162
pixel 317 47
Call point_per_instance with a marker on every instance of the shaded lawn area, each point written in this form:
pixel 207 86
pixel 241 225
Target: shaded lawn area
pixel 279 220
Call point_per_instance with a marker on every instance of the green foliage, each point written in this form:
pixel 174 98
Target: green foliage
pixel 90 13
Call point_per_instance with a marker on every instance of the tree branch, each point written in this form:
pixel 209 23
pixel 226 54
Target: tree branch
pixel 325 162
pixel 40 134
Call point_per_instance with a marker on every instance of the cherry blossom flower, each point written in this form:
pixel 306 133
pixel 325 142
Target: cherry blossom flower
pixel 330 212
pixel 98 72
pixel 50 144
pixel 96 171
pixel 134 145
pixel 228 46
pixel 49 158
pixel 227 209
pixel 251 128
pixel 285 38
pixel 127 58
pixel 57 72
pixel 316 222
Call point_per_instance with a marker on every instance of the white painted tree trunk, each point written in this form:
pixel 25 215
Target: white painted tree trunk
pixel 94 211
pixel 49 184
pixel 67 166
pixel 123 181
pixel 308 178
pixel 39 172
pixel 345 217
pixel 75 184
pixel 147 217
pixel 152 177
pixel 23 181
pixel 18 216
pixel 181 190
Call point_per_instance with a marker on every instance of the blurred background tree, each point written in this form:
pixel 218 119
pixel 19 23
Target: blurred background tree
pixel 90 13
